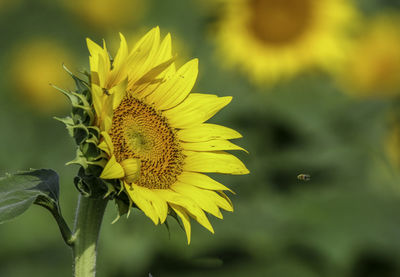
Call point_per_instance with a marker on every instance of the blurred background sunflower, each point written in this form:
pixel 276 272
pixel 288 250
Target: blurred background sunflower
pixel 274 39
pixel 315 91
pixel 373 64
pixel 33 66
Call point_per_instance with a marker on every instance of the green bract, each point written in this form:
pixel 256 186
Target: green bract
pixel 90 158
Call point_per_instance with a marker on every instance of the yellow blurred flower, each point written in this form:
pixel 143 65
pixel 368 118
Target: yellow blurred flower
pixel 106 14
pixel 7 5
pixel 392 140
pixel 274 39
pixel 373 66
pixel 35 65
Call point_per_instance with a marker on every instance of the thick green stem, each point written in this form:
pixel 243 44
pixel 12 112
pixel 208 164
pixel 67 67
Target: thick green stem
pixel 88 219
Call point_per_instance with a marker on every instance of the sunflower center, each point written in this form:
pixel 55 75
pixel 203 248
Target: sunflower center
pixel 139 131
pixel 279 22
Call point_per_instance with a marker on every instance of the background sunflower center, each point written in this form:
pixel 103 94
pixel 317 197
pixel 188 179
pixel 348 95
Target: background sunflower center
pixel 279 21
pixel 139 131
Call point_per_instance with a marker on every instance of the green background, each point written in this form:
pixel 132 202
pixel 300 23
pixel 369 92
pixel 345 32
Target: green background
pixel 343 222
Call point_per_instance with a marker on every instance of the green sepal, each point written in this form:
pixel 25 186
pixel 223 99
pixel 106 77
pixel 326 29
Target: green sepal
pixel 68 122
pixel 91 159
pixel 80 159
pixel 90 185
pixel 80 84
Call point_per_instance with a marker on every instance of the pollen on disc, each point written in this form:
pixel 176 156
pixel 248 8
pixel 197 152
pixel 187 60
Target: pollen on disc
pixel 140 131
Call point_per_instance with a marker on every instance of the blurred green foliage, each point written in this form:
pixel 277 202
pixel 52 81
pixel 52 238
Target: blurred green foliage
pixel 343 222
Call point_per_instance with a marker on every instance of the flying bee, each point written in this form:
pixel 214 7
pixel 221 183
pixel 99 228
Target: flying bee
pixel 304 177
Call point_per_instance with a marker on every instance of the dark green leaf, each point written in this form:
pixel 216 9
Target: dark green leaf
pixel 19 191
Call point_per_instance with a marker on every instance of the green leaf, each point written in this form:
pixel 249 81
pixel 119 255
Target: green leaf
pixel 19 191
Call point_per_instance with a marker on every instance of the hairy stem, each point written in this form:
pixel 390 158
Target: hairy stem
pixel 88 219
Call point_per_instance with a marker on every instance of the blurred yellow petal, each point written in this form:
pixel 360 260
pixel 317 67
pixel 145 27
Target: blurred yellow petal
pixel 32 66
pixel 270 40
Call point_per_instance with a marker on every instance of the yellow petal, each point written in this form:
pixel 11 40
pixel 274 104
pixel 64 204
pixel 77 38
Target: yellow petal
pixel 211 145
pixel 112 170
pixel 107 114
pixel 122 53
pixel 138 196
pixel 201 218
pixel 118 93
pixel 152 79
pixel 103 146
pixel 106 145
pixel 142 55
pixel 164 52
pixel 195 109
pixel 226 198
pixel 108 141
pixel 106 123
pixel 162 70
pixel 119 71
pixel 94 50
pixel 99 61
pixel 200 196
pixel 132 169
pixel 106 58
pixel 185 220
pixel 102 71
pixel 207 195
pixel 176 89
pixel 206 132
pixel 218 162
pixel 159 204
pixel 202 181
pixel 97 96
pixel 191 207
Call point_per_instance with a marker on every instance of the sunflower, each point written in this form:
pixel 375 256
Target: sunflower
pixel 31 71
pixel 274 39
pixel 153 132
pixel 106 14
pixel 373 65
